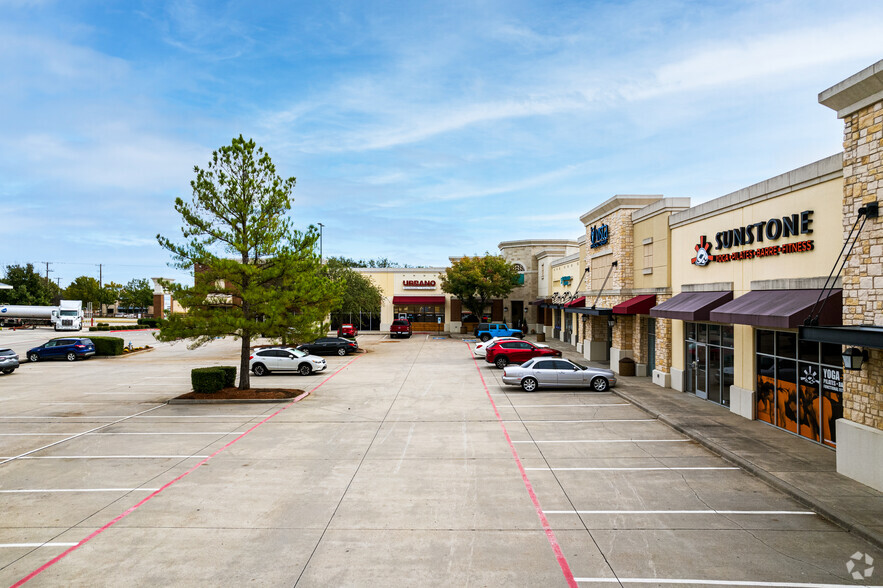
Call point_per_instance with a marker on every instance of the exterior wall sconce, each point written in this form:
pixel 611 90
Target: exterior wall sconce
pixel 853 358
pixel 611 320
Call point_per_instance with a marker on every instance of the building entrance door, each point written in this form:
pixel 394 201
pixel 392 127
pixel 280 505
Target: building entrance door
pixel 697 369
pixel 609 340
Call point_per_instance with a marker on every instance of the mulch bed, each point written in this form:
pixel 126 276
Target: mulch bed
pixel 248 394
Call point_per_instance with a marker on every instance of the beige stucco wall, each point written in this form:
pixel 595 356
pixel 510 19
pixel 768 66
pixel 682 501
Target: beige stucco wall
pixel 391 283
pixel 655 228
pixel 823 199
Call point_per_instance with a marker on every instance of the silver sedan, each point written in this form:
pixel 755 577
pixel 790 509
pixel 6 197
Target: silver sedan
pixel 557 373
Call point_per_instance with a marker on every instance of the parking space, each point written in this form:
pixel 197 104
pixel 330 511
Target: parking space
pixel 396 470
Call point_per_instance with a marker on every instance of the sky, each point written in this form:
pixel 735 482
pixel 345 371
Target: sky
pixel 416 130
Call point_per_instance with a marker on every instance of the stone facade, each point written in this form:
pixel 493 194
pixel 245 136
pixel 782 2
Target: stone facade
pixel 863 274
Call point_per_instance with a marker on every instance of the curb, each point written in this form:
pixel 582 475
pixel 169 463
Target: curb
pixel 130 354
pixel 230 401
pixel 845 522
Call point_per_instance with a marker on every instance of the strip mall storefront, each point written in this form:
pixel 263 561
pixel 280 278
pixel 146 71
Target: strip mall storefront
pixel 415 294
pixel 747 270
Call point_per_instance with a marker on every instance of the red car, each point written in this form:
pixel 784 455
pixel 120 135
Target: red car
pixel 503 353
pixel 347 331
pixel 400 328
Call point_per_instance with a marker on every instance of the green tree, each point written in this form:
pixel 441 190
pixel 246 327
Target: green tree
pixel 86 288
pixel 28 287
pixel 274 286
pixel 358 293
pixel 138 293
pixel 475 281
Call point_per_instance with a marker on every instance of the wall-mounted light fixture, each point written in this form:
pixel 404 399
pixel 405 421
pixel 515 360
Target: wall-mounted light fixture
pixel 853 358
pixel 611 320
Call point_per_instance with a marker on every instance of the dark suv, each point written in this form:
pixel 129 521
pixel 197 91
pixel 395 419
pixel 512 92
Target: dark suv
pixel 69 349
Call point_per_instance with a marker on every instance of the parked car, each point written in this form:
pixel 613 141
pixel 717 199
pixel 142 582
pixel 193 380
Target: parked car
pixel 491 330
pixel 557 373
pixel 400 328
pixel 70 349
pixel 481 348
pixel 8 361
pixel 503 353
pixel 479 327
pixel 324 345
pixel 347 330
pixel 284 359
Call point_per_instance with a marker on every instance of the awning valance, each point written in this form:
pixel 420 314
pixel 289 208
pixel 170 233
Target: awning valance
pixel 419 300
pixel 870 336
pixel 690 306
pixel 589 311
pixel 539 301
pixel 780 309
pixel 637 305
pixel 577 303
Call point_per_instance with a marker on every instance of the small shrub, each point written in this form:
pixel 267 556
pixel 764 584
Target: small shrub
pixel 207 380
pixel 107 345
pixel 151 323
pixel 229 375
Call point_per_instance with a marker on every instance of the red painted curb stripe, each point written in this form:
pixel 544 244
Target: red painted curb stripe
pixel 152 495
pixel 550 534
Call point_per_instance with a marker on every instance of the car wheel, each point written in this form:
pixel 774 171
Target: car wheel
pixel 600 384
pixel 341 351
pixel 528 384
pixel 485 338
pixel 34 357
pixel 72 356
pixel 260 370
pixel 8 370
pixel 305 369
pixel 501 362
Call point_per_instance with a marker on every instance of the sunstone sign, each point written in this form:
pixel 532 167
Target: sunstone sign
pixel 759 232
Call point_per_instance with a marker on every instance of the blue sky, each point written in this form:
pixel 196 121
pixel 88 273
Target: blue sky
pixel 416 130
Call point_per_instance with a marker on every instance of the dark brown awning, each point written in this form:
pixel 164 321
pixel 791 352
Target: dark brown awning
pixel 690 306
pixel 539 301
pixel 780 309
pixel 637 305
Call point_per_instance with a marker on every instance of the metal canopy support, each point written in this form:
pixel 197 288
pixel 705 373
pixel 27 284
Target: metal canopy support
pixel 607 277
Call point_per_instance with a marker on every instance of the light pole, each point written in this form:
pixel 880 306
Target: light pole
pixel 321 257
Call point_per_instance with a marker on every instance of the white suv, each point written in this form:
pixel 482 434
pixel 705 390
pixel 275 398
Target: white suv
pixel 284 359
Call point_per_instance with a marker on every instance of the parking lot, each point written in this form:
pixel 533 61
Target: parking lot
pixel 408 464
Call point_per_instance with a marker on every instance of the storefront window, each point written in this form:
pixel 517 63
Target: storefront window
pixel 420 314
pixel 799 385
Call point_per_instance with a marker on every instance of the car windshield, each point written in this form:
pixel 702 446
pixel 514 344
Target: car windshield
pixel 582 367
pixel 297 353
pixel 69 313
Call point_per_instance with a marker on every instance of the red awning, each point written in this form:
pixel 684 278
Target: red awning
pixel 636 305
pixel 419 300
pixel 578 303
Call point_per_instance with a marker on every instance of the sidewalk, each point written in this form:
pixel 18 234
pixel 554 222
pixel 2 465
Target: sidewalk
pixel 801 469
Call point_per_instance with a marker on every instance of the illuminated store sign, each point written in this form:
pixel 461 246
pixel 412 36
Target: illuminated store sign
pixel 599 236
pixel 418 284
pixel 772 230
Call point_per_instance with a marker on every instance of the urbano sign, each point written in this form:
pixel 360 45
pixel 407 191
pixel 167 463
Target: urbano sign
pixel 760 232
pixel 418 284
pixel 599 236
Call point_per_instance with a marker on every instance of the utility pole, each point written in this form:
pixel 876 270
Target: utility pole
pixel 99 276
pixel 47 271
pixel 321 257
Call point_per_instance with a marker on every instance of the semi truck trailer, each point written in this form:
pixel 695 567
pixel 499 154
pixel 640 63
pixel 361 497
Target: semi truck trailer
pixel 67 316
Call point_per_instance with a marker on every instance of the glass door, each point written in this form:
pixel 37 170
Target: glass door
pixel 697 369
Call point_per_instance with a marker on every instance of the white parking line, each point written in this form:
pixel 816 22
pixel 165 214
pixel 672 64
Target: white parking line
pixel 712 582
pixel 685 512
pixel 121 419
pixel 610 441
pixel 107 457
pixel 648 469
pixel 92 434
pixel 44 490
pixel 142 416
pixel 49 544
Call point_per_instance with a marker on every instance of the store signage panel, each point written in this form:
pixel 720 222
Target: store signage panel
pixel 772 230
pixel 599 235
pixel 418 284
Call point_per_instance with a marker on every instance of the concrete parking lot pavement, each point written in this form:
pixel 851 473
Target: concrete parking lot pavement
pixel 407 464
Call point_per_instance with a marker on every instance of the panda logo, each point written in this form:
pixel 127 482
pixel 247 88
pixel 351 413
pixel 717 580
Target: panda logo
pixel 702 256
